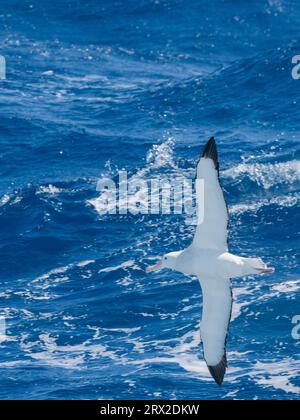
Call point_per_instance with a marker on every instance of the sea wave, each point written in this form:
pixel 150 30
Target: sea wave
pixel 266 175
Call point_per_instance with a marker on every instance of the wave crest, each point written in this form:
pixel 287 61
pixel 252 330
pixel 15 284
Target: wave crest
pixel 266 175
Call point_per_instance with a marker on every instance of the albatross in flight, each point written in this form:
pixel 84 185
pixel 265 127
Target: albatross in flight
pixel 208 258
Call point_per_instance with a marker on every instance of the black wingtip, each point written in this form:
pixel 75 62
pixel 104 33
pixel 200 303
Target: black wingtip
pixel 218 371
pixel 210 152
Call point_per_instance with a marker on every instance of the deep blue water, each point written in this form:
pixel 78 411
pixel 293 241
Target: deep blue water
pixel 94 87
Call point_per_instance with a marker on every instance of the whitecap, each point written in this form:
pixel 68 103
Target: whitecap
pixel 292 286
pixel 266 174
pixel 278 375
pixel 126 264
pixel 54 271
pixel 4 200
pixel 161 155
pixel 48 189
pixel 253 207
pixel 66 356
pixel 85 263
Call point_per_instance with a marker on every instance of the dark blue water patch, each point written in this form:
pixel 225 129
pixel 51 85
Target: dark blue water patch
pixel 233 100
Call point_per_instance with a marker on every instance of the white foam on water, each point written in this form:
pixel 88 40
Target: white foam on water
pixel 57 272
pixel 275 6
pixel 126 264
pixel 4 200
pixel 162 155
pixel 242 297
pixel 67 356
pixel 17 199
pixel 85 263
pixel 52 279
pixel 266 174
pixel 53 272
pixel 184 353
pixel 10 199
pixel 48 73
pixel 160 159
pixel 278 375
pixel 16 363
pixel 33 295
pixel 49 189
pixel 253 207
pixel 292 286
pixel 123 330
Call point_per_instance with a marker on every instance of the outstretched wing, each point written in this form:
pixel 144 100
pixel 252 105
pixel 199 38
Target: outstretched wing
pixel 217 308
pixel 211 231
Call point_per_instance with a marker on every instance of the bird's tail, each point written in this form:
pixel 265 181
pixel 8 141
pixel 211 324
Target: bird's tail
pixel 257 266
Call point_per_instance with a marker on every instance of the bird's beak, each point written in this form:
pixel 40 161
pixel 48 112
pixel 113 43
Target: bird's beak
pixel 155 267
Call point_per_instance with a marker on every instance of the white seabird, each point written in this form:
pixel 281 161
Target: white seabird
pixel 208 258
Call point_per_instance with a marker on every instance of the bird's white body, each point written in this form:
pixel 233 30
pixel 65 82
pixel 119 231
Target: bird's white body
pixel 208 259
pixel 210 263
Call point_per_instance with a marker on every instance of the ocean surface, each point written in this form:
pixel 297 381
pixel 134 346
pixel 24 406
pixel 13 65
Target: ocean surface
pixel 95 87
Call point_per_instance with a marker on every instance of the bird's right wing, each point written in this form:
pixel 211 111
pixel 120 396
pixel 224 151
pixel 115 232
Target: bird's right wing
pixel 211 232
pixel 217 308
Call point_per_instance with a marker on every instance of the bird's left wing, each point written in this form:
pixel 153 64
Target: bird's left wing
pixel 216 315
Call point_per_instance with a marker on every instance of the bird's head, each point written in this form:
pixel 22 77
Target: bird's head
pixel 168 261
